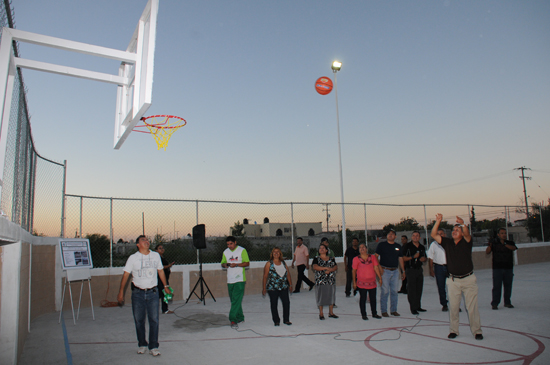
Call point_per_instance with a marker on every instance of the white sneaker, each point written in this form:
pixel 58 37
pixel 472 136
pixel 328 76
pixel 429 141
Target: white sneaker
pixel 155 352
pixel 142 350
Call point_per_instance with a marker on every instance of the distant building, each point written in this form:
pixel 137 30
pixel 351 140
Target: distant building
pixel 280 229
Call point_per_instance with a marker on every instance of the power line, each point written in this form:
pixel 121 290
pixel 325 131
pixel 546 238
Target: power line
pixel 548 195
pixel 441 187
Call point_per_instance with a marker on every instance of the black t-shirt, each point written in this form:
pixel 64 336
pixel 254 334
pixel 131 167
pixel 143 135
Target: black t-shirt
pixel 389 254
pixel 410 250
pixel 503 257
pixel 350 254
pixel 459 256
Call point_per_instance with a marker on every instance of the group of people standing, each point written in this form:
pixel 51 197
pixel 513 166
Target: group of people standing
pixel 450 262
pixel 449 259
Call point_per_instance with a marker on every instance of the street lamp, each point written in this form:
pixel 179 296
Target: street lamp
pixel 336 66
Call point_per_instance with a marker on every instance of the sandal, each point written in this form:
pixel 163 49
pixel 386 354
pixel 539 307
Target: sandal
pixel 321 317
pixel 333 316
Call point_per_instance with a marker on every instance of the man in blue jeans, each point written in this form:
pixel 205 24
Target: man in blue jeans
pixel 438 269
pixel 390 257
pixel 144 266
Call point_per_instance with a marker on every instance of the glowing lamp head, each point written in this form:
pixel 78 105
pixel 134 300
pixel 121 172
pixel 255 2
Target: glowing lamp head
pixel 336 66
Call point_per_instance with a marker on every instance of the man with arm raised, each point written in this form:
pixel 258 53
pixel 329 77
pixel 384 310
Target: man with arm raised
pixel 461 280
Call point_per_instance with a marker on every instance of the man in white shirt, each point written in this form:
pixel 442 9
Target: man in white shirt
pixel 438 269
pixel 235 259
pixel 144 266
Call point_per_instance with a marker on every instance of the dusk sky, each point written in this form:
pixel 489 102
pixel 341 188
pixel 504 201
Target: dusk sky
pixel 439 100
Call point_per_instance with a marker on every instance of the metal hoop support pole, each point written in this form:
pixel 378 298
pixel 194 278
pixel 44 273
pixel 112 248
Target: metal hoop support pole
pixel 344 240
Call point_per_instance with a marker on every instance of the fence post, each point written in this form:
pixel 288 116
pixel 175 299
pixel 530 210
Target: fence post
pixel 197 223
pixel 541 225
pixel 31 200
pixel 63 199
pixel 111 234
pixel 81 217
pixel 292 225
pixel 506 220
pixel 25 192
pixel 344 238
pixel 366 231
pixel 426 225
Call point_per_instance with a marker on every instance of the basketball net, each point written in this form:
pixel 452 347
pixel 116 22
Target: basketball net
pixel 161 131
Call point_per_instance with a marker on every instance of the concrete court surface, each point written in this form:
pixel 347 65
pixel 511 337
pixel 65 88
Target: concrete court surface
pixel 200 334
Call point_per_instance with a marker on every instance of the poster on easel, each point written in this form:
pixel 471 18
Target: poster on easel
pixel 75 253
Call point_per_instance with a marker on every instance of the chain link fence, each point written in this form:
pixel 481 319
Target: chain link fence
pixel 113 224
pixel 32 186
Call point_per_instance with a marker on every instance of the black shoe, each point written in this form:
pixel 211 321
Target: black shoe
pixel 333 316
pixel 415 313
pixel 376 316
pixel 495 307
pixel 508 305
pixel 277 324
pixel 452 335
pixel 365 318
pixel 348 295
pixel 288 323
pixel 445 308
pixel 421 310
pixel 322 318
pixel 479 336
pixel 295 291
pixel 311 287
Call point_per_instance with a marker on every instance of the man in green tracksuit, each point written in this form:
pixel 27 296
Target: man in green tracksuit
pixel 235 259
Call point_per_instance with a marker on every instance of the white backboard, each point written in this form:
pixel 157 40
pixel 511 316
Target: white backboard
pixel 135 98
pixel 134 79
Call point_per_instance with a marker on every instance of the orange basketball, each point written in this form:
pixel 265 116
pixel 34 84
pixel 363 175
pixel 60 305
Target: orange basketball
pixel 323 85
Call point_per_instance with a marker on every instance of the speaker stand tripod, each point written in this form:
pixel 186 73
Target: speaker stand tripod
pixel 203 284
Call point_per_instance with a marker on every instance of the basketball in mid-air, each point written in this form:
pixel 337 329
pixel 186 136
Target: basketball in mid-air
pixel 323 85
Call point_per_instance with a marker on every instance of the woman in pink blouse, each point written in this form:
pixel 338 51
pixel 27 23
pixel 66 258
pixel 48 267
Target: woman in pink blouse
pixel 365 270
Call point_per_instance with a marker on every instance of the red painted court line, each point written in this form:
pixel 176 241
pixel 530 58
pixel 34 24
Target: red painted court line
pixel 465 343
pixel 527 359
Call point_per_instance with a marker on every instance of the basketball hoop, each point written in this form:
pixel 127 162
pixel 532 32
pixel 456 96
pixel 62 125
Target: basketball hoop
pixel 161 131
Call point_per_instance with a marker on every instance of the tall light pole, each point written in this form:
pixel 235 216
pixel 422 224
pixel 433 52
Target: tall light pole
pixel 336 66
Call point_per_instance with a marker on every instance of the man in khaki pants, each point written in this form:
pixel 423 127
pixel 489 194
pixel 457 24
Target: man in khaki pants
pixel 461 280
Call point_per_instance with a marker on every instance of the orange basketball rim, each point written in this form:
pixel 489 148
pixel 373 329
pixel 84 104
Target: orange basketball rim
pixel 161 127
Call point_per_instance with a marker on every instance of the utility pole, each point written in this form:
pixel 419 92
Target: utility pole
pixel 328 215
pixel 523 177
